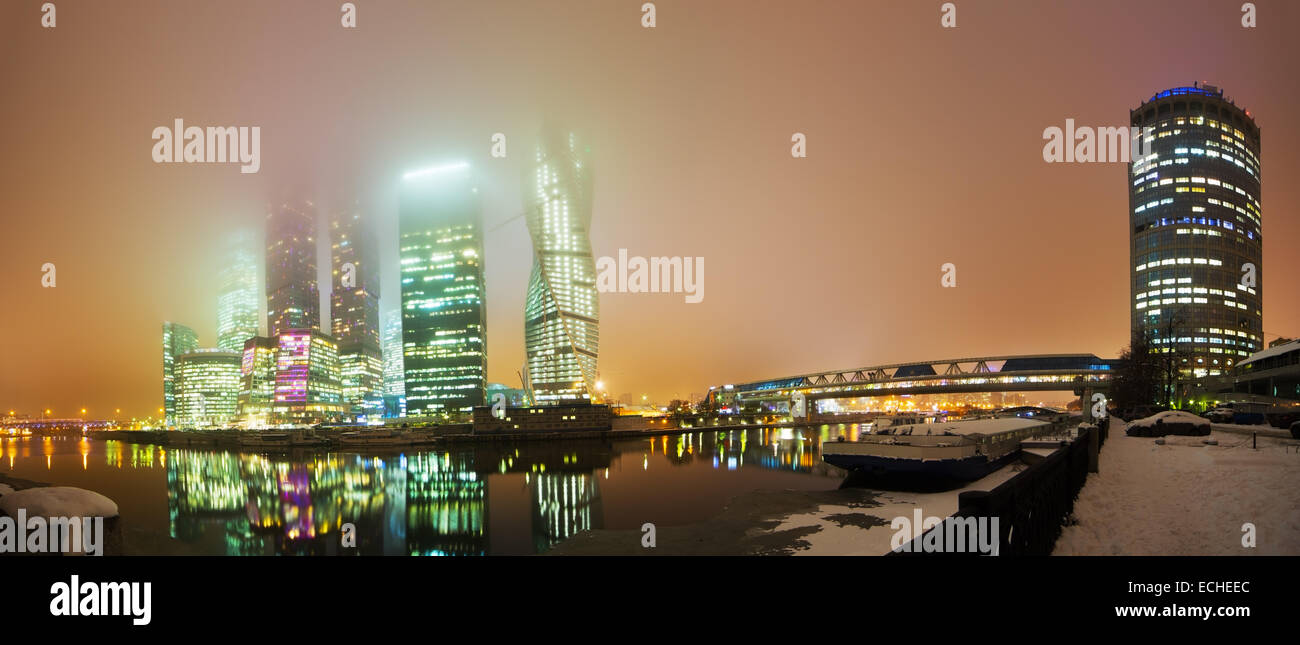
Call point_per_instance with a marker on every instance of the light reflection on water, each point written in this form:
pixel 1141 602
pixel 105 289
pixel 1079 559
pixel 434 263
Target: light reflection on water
pixel 496 498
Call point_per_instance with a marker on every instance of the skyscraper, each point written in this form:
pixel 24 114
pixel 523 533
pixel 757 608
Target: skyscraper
pixel 292 299
pixel 562 311
pixel 237 302
pixel 354 312
pixel 394 379
pixel 1195 222
pixel 444 316
pixel 177 339
pixel 207 388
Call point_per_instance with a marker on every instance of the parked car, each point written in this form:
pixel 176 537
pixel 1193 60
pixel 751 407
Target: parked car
pixel 1283 417
pixel 1220 415
pixel 1166 423
pixel 1239 413
pixel 1295 430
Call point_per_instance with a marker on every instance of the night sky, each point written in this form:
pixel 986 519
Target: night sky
pixel 924 148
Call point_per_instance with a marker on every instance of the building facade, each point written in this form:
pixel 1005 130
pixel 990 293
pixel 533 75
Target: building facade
pixel 257 381
pixel 177 340
pixel 292 297
pixel 237 307
pixel 207 388
pixel 562 309
pixel 354 313
pixel 308 385
pixel 577 417
pixel 1195 227
pixel 444 315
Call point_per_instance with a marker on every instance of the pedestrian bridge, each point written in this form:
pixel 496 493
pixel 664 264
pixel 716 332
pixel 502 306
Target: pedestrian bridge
pixel 1044 372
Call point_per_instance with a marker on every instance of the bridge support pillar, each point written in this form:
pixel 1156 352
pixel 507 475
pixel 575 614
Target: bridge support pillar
pixel 1094 433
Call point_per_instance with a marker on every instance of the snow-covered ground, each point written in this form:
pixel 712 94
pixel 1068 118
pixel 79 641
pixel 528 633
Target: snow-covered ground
pixel 1188 498
pixel 839 534
pixel 1262 430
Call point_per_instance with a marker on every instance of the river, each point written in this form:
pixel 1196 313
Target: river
pixel 494 498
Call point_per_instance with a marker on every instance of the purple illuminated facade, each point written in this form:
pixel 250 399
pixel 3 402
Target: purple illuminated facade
pixel 307 388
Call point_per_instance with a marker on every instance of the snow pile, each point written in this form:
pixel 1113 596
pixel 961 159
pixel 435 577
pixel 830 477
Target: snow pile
pixel 1187 498
pixel 5 490
pixel 58 501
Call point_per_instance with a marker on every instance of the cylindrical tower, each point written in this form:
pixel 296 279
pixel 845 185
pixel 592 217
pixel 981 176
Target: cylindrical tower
pixel 1195 225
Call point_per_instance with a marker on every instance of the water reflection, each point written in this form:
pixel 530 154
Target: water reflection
pixel 436 502
pixel 793 449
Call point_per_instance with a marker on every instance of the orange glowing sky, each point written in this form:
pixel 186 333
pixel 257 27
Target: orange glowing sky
pixel 924 148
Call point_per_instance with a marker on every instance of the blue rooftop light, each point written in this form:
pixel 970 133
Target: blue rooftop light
pixel 1188 90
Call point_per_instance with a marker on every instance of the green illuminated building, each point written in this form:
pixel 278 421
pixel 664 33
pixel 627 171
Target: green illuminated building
pixel 257 381
pixel 177 339
pixel 444 316
pixel 206 388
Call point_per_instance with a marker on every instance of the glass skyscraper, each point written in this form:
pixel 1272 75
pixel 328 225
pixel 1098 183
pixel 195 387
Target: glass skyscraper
pixel 562 310
pixel 177 339
pixel 1195 222
pixel 354 312
pixel 207 388
pixel 394 378
pixel 237 309
pixel 292 298
pixel 444 316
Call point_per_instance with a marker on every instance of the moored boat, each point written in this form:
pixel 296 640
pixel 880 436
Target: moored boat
pixel 376 439
pixel 279 439
pixel 958 450
pixel 884 422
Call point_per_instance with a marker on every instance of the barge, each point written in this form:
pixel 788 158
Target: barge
pixel 957 450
